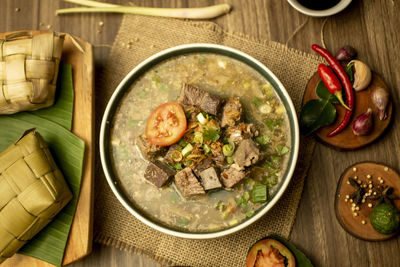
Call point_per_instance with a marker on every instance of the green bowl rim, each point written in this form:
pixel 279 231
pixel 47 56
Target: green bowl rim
pixel 149 63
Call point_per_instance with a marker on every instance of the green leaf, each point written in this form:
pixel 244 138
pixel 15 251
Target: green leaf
pixel 301 258
pixel 349 71
pixel 323 93
pixel 68 152
pixel 211 135
pixel 62 110
pixel 316 113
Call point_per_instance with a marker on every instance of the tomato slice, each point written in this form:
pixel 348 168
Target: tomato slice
pixel 269 252
pixel 166 124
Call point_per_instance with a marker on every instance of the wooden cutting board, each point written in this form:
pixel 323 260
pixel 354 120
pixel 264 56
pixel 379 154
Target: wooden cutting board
pixel 79 54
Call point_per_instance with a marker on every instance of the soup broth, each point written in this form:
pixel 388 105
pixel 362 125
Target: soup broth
pixel 225 77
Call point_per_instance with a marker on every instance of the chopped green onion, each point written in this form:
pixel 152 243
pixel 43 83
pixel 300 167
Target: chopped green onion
pixel 183 221
pixel 268 89
pixel 227 150
pixel 282 150
pixel 225 215
pixel 272 123
pixel 173 199
pixel 206 148
pixel 257 101
pixel 177 166
pixel 211 135
pixel 220 206
pixel 200 117
pixel 182 143
pixel 198 137
pixel 240 202
pixel 188 148
pixel 202 59
pixel 156 79
pixel 271 180
pixel 246 195
pixel 233 222
pixel 132 123
pixel 142 94
pixel 259 193
pixel 263 139
pixel 249 213
pixel 229 160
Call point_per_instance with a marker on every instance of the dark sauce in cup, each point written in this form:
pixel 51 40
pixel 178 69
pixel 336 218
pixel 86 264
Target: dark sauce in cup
pixel 318 4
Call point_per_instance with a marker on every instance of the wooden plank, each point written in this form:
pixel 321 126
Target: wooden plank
pixel 81 234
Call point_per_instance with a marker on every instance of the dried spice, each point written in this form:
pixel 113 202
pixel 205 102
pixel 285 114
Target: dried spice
pixel 357 196
pixel 384 195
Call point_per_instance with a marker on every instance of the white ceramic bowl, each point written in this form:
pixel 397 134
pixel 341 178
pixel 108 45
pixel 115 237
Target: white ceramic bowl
pixel 143 67
pixel 320 13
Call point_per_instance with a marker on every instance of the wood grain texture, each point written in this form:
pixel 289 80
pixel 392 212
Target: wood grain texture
pixel 370 26
pixel 80 239
pixel 346 139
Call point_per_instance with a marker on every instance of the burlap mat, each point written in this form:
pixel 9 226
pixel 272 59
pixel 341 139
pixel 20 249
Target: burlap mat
pixel 140 37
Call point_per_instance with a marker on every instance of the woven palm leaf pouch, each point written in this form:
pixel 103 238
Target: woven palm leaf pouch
pixel 32 191
pixel 28 70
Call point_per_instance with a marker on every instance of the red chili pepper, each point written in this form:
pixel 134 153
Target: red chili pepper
pixel 340 72
pixel 331 82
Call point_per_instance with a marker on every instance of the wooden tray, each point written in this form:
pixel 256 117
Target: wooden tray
pixel 81 235
pixel 346 140
pixel 343 211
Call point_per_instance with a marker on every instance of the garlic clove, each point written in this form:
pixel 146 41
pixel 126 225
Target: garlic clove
pixel 362 75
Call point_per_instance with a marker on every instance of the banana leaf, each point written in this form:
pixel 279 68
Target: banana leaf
pixel 54 124
pixel 62 110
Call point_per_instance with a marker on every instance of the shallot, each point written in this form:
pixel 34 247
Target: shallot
pixel 380 99
pixel 363 124
pixel 346 53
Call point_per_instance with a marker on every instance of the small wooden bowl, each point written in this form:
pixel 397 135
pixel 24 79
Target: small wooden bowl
pixel 345 215
pixel 346 140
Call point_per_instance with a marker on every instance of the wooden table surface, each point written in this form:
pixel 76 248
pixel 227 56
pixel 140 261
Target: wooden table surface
pixel 373 27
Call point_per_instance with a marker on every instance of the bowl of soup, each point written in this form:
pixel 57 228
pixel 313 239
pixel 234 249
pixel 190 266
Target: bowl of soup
pixel 222 145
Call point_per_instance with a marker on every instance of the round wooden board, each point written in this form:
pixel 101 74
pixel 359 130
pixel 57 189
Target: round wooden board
pixel 352 224
pixel 346 140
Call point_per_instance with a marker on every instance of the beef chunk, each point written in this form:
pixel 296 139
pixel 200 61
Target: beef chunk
pixel 246 154
pixel 171 150
pixel 147 149
pixel 211 103
pixel 209 179
pixel 204 164
pixel 193 96
pixel 232 176
pixel 158 173
pixel 187 183
pixel 232 112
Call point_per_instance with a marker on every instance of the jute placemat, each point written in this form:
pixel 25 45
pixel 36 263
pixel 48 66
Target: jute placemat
pixel 140 37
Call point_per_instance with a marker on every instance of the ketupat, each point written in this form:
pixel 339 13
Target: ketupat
pixel 28 70
pixel 33 191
